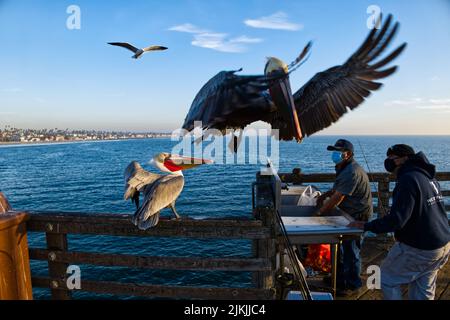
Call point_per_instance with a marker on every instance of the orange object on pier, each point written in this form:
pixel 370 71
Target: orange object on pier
pixel 15 275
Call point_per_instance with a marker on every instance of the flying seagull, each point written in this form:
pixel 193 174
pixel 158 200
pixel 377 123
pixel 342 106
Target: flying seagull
pixel 159 190
pixel 230 101
pixel 137 52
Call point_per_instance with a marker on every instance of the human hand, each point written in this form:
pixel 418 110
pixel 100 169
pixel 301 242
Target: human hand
pixel 320 200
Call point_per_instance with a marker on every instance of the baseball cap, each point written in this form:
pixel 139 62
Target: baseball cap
pixel 341 145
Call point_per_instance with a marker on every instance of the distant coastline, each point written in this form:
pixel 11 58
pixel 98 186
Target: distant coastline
pixel 44 143
pixel 17 136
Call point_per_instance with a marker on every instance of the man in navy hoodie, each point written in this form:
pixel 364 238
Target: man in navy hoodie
pixel 420 224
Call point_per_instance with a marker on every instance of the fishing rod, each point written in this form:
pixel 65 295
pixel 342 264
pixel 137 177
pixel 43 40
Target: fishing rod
pixel 380 203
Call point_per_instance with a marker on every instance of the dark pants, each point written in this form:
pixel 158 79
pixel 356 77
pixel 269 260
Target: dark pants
pixel 349 265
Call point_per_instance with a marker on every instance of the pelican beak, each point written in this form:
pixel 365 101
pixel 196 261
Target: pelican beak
pixel 281 94
pixel 176 162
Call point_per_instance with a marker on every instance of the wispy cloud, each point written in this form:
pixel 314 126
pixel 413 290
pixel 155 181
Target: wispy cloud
pixel 435 107
pixel 405 102
pixel 221 42
pixel 440 101
pixel 245 39
pixel 439 105
pixel 188 28
pixel 216 40
pixel 276 21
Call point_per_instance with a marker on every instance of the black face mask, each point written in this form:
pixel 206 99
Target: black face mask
pixel 389 165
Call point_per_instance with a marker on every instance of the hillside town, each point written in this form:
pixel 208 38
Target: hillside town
pixel 15 135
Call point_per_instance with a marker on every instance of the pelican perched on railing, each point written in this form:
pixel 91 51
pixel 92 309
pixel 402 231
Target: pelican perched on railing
pixel 230 101
pixel 159 191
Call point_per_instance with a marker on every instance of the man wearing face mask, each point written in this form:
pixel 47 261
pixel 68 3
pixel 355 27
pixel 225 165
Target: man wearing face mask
pixel 419 220
pixel 352 194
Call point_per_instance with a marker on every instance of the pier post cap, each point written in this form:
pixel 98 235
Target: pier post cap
pixel 12 218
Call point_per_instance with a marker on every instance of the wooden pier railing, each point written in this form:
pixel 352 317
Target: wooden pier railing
pixel 264 260
pixel 384 184
pixel 57 226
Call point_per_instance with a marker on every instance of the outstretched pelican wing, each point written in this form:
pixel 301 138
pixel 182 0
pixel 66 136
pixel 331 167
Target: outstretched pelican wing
pixel 157 196
pixel 325 98
pixel 136 178
pixel 230 101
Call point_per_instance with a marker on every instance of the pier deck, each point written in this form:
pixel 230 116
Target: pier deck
pixel 374 250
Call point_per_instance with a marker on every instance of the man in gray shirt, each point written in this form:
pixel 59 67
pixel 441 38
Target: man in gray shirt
pixel 352 194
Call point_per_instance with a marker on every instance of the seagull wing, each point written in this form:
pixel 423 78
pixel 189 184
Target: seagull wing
pixel 325 98
pixel 155 48
pixel 158 196
pixel 124 45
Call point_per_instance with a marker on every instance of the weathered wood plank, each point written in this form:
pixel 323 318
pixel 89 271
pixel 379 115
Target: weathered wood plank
pixel 148 262
pixel 445 295
pixel 330 177
pixel 57 270
pixel 125 219
pixel 443 282
pixel 373 252
pixel 443 176
pixel 160 291
pixel 130 230
pixel 327 177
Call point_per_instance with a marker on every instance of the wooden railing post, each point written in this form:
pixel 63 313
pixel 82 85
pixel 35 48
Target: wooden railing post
pixel 15 278
pixel 266 249
pixel 383 200
pixel 57 242
pixel 265 210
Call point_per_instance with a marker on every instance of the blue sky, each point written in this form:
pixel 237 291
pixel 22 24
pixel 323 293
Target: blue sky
pixel 51 76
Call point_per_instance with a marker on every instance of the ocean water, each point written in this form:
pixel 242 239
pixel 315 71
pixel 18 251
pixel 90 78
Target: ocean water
pixel 88 177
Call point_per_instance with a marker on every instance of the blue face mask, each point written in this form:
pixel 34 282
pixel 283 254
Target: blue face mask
pixel 336 156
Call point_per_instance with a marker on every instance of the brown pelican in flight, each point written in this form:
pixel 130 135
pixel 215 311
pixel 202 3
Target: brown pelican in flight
pixel 137 52
pixel 230 101
pixel 159 191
